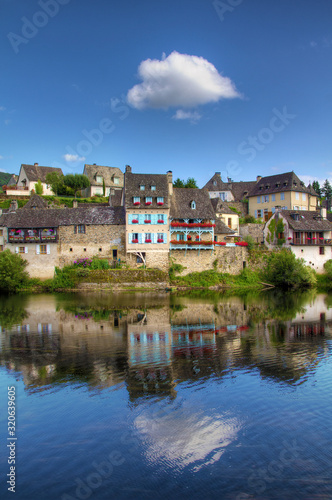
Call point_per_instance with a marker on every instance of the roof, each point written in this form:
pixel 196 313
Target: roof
pixel 35 172
pixel 107 173
pixel 35 202
pixel 238 189
pixel 221 228
pixel 55 217
pixel 13 180
pixel 281 182
pixel 181 204
pixel 222 207
pixel 132 188
pixel 308 220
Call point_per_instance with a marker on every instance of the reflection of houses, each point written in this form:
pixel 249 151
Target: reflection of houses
pixel 306 233
pixel 102 180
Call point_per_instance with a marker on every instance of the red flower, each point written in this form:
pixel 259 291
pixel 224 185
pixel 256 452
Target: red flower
pixel 160 203
pixel 289 238
pixel 137 203
pixel 147 241
pixel 135 221
pixel 160 221
pixel 134 241
pixel 148 202
pixel 160 241
pixel 147 221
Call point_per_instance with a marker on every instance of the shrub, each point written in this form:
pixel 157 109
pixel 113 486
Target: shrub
pixel 285 271
pixel 99 263
pixel 13 275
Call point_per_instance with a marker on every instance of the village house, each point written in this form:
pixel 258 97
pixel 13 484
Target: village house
pixel 225 214
pixel 306 233
pixel 147 204
pixel 230 190
pixel 29 175
pixel 286 191
pixel 50 237
pixel 102 180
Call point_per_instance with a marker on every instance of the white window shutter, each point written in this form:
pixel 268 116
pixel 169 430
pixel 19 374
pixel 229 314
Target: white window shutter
pixel 25 249
pixel 16 249
pixel 48 249
pixel 37 249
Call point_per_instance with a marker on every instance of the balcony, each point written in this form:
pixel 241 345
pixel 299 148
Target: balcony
pixel 309 241
pixel 32 235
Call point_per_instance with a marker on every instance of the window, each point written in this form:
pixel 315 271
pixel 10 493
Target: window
pixel 229 222
pixel 142 187
pixel 153 187
pixel 147 238
pixel 136 200
pixel 80 229
pixel 160 237
pixel 266 198
pixel 282 196
pixel 116 180
pixel 258 199
pixel 1 248
pixel 214 183
pixel 147 219
pixel 148 200
pixel 304 197
pixel 1 232
pixel 160 200
pixel 222 196
pixel 43 249
pixel 134 238
pixel 99 178
pixel 21 249
pixel 297 196
pixel 273 197
pixel 160 218
pixel 259 214
pixel 181 237
pixel 193 205
pixel 321 250
pixel 114 254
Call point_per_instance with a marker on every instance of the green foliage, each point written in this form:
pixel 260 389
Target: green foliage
pixel 327 189
pixel 272 231
pixel 175 268
pixel 285 271
pixel 13 275
pixel 56 182
pixel 215 264
pixel 76 182
pixel 99 263
pixel 12 310
pixel 104 187
pixel 235 210
pixel 328 268
pixel 39 187
pixel 280 229
pixel 189 183
pixel 317 188
pixel 251 243
pixel 178 183
pixel 4 178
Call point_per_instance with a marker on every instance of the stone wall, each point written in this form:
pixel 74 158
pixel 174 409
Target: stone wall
pixel 157 260
pixel 253 230
pixel 229 259
pixel 39 265
pixel 98 240
pixel 240 206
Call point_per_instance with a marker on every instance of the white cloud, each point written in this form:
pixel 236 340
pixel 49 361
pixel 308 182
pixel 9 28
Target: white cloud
pixel 193 116
pixel 71 158
pixel 179 80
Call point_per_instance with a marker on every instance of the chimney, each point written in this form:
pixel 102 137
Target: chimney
pixel 258 178
pixel 170 181
pixel 128 169
pixel 13 206
pixel 35 164
pixel 75 204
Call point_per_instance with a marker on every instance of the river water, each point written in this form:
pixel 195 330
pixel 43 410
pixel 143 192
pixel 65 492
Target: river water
pixel 160 396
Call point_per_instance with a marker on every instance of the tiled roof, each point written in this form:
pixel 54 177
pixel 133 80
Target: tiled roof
pixel 13 180
pixel 108 174
pixel 221 207
pixel 35 202
pixel 239 189
pixel 35 172
pixel 132 188
pixel 281 182
pixel 308 220
pixel 63 217
pixel 181 204
pixel 221 228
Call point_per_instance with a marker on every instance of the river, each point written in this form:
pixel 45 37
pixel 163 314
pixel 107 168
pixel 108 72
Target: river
pixel 161 396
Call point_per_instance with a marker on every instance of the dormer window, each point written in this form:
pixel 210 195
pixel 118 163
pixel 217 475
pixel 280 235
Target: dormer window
pixel 148 200
pixel 142 187
pixel 160 200
pixel 153 187
pixel 260 187
pixel 214 183
pixel 193 205
pixel 136 200
pixel 278 184
pixel 99 178
pixel 285 183
pixel 116 180
pixel 267 186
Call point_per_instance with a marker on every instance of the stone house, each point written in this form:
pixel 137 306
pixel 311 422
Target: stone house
pixel 226 215
pixel 230 190
pixel 306 233
pixel 286 191
pixel 50 237
pixel 30 174
pixel 108 178
pixel 147 205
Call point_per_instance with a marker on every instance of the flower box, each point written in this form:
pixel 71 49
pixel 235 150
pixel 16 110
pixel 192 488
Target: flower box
pixel 160 203
pixel 289 238
pixel 160 221
pixel 160 241
pixel 147 221
pixel 147 241
pixel 135 221
pixel 241 243
pixel 148 203
pixel 220 243
pixel 136 203
pixel 134 241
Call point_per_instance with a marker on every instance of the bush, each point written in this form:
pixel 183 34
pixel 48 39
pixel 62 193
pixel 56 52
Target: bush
pixel 99 263
pixel 285 271
pixel 13 275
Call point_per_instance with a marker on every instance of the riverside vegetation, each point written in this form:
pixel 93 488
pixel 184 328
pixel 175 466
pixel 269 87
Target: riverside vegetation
pixel 280 269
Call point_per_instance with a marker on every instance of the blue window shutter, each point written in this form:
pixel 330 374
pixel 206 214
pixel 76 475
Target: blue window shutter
pixel 154 219
pixel 255 214
pixel 141 218
pixel 258 199
pixel 140 237
pixel 130 236
pixel 165 218
pixel 178 237
pixel 165 237
pixel 130 219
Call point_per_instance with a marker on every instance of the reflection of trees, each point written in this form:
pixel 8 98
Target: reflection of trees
pixel 12 310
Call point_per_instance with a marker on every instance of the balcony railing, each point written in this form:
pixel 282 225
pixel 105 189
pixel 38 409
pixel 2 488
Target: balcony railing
pixel 310 241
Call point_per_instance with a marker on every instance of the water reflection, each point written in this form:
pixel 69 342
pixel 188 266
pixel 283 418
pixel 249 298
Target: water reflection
pixel 154 342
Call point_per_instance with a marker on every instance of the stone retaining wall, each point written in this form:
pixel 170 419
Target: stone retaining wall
pixel 253 230
pixel 224 259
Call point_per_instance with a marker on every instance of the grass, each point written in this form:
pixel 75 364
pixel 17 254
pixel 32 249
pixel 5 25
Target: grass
pixel 205 279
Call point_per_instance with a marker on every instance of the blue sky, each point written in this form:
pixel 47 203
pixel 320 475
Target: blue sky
pixel 243 87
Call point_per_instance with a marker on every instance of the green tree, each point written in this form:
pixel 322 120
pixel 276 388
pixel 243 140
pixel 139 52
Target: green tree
pixel 191 183
pixel 76 182
pixel 39 187
pixel 12 271
pixel 178 183
pixel 104 187
pixel 55 181
pixel 327 189
pixel 285 271
pixel 317 188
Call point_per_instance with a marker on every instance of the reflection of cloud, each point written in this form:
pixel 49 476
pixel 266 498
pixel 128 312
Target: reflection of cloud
pixel 185 438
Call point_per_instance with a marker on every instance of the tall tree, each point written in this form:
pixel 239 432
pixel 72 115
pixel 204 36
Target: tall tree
pixel 178 183
pixel 39 187
pixel 191 183
pixel 327 189
pixel 55 181
pixel 317 188
pixel 76 182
